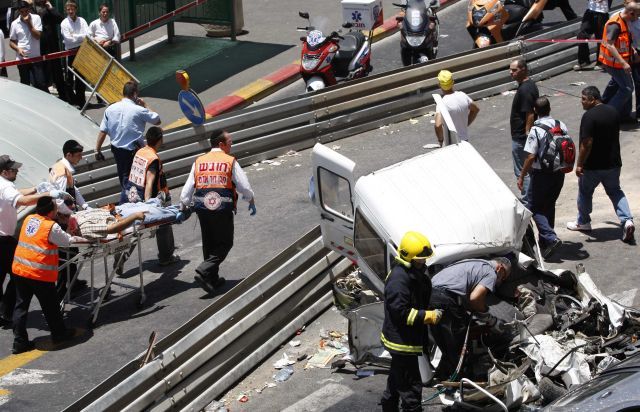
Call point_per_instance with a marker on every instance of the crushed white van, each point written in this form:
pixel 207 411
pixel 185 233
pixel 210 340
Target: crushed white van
pixel 451 195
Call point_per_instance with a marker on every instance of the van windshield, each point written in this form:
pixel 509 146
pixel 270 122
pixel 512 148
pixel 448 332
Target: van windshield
pixel 370 246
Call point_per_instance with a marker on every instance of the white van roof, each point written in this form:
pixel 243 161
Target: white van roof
pixel 453 197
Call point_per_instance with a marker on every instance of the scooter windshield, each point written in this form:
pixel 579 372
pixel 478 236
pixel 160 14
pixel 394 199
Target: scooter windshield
pixel 315 38
pixel 320 27
pixel 415 17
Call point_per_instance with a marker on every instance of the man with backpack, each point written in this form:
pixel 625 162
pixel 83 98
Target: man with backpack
pixel 551 154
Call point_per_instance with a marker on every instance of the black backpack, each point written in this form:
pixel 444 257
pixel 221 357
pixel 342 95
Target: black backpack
pixel 559 151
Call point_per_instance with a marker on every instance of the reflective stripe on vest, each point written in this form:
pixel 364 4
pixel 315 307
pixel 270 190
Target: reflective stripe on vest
pixel 411 318
pixel 398 347
pixel 213 180
pixel 35 257
pixel 137 180
pixel 622 44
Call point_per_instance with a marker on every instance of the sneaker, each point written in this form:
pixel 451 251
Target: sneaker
pixel 583 66
pixel 627 231
pixel 173 259
pixel 65 336
pixel 21 347
pixel 553 246
pixel 585 227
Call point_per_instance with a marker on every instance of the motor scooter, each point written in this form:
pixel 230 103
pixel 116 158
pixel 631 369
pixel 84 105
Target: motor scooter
pixel 494 21
pixel 328 59
pixel 420 31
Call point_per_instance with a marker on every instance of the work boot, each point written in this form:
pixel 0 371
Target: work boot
pixel 551 248
pixel 21 347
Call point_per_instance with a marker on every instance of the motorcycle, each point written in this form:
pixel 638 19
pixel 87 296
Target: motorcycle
pixel 327 59
pixel 420 31
pixel 493 21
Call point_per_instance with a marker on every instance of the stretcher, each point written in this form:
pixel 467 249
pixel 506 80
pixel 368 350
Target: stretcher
pixel 120 246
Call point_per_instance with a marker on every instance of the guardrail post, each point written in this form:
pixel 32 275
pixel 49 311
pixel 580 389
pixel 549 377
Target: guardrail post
pixel 233 20
pixel 134 22
pixel 171 30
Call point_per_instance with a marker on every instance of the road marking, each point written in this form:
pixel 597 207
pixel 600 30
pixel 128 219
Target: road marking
pixel 253 89
pixel 10 363
pixel 22 376
pixel 322 399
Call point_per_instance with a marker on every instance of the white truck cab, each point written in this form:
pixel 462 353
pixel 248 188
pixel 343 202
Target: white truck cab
pixel 451 195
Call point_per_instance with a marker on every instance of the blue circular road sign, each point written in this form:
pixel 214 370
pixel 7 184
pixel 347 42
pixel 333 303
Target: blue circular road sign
pixel 191 106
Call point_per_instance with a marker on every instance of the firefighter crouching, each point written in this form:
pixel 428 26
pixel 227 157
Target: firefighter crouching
pixel 404 331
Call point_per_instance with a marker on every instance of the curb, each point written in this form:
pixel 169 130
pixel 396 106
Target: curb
pixel 273 82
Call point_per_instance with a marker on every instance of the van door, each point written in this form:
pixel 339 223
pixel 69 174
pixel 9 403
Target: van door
pixel 333 187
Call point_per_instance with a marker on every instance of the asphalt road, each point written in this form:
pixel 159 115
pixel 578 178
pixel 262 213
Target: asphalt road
pixel 52 378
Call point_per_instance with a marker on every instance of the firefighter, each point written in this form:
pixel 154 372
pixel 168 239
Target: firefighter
pixel 35 269
pixel 404 332
pixel 147 180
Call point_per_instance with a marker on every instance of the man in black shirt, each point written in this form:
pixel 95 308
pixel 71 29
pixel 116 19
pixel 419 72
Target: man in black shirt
pixel 599 162
pixel 50 43
pixel 522 117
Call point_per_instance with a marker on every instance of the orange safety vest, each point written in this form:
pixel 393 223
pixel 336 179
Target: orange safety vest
pixel 213 180
pixel 622 44
pixel 59 169
pixel 137 181
pixel 36 257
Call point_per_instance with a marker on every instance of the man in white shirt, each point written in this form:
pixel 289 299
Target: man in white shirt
pixel 10 199
pixel 104 30
pixel 461 108
pixel 74 29
pixel 24 38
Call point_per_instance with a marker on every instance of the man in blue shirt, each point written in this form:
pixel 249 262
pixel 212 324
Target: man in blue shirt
pixel 125 122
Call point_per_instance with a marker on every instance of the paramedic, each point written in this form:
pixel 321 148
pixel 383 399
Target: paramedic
pixel 458 288
pixel 147 180
pixel 404 331
pixel 212 184
pixel 61 173
pixel 35 269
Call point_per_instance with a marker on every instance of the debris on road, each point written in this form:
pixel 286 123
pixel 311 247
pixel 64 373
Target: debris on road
pixel 322 359
pixel 283 374
pixel 283 362
pixel 265 386
pixel 413 121
pixel 243 398
pixel 578 84
pixel 294 343
pixel 365 373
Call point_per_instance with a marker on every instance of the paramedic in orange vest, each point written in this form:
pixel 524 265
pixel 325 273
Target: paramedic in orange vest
pixel 35 271
pixel 616 57
pixel 212 185
pixel 146 180
pixel 61 173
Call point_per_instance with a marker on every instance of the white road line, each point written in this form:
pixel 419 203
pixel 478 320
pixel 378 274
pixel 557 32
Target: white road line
pixel 146 46
pixel 322 399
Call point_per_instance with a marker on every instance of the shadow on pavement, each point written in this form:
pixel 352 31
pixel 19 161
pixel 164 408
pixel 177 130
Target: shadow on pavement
pixel 604 234
pixel 208 61
pixel 228 285
pixel 569 251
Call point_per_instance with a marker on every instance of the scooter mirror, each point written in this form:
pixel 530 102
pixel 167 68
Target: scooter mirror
pixel 399 18
pixel 399 5
pixel 303 14
pixel 303 38
pixel 347 25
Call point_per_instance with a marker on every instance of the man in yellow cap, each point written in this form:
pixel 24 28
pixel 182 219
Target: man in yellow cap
pixel 461 108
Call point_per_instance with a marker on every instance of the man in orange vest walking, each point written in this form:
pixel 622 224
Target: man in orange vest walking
pixel 35 270
pixel 146 180
pixel 213 183
pixel 616 57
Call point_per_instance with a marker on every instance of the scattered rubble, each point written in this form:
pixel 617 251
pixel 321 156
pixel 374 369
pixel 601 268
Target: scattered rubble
pixel 283 362
pixel 283 374
pixel 413 121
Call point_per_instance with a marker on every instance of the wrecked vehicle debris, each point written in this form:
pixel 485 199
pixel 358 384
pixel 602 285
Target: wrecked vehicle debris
pixel 560 332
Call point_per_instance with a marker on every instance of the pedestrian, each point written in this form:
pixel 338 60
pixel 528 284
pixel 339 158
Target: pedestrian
pixel 104 31
pixel 565 7
pixel 11 199
pixel 599 162
pixel 461 108
pixel 212 185
pixel 146 181
pixel 35 269
pixel 616 56
pixel 407 291
pixel 124 123
pixel 3 70
pixel 50 43
pixel 545 184
pixel 61 173
pixel 634 29
pixel 593 21
pixel 74 29
pixel 460 288
pixel 24 38
pixel 522 118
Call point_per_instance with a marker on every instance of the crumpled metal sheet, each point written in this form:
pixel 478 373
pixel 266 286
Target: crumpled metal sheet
pixel 364 332
pixel 546 351
pixel 588 290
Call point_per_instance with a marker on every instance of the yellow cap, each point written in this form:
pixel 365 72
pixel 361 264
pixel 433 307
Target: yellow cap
pixel 446 79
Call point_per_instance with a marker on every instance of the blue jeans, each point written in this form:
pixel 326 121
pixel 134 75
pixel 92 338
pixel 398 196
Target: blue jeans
pixel 519 156
pixel 619 91
pixel 610 179
pixel 545 190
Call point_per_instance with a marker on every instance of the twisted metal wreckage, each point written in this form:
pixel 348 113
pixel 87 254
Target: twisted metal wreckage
pixel 562 330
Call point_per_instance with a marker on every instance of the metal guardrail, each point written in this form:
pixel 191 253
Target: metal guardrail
pixel 203 357
pixel 266 131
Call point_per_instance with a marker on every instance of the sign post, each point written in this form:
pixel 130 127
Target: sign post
pixel 189 102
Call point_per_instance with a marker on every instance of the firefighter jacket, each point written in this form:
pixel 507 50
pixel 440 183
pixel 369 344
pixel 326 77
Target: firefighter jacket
pixel 137 181
pixel 622 44
pixel 36 257
pixel 406 298
pixel 213 180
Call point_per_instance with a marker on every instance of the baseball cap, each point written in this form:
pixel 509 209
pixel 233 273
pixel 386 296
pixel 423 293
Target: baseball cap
pixel 445 78
pixel 7 163
pixel 71 146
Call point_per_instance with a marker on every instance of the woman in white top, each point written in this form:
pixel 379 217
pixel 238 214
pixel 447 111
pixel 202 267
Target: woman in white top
pixel 104 30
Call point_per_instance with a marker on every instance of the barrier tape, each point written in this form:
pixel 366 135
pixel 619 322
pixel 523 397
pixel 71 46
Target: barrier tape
pixel 126 36
pixel 562 40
